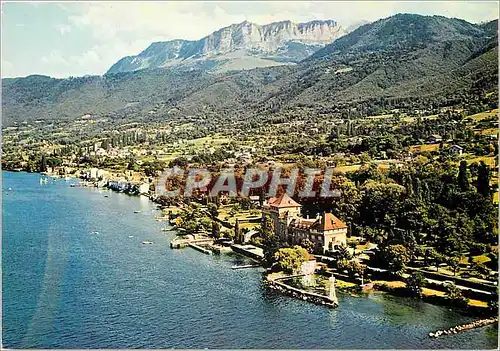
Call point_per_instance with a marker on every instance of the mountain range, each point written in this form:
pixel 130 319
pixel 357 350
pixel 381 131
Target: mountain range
pixel 239 46
pixel 403 59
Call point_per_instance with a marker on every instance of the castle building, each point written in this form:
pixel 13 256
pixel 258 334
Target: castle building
pixel 326 232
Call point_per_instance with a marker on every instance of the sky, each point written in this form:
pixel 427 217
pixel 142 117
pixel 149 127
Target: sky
pixel 62 39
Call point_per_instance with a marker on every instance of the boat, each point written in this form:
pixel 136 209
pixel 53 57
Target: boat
pixel 147 242
pixel 130 236
pixel 165 229
pixel 67 179
pixel 137 211
pixel 43 180
pixel 106 196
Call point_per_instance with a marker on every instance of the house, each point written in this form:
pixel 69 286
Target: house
pixel 435 138
pixel 255 199
pixel 456 149
pixel 326 231
pixel 143 188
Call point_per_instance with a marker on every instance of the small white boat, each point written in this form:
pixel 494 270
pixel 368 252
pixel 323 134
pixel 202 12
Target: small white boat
pixel 147 242
pixel 67 179
pixel 137 211
pixel 130 236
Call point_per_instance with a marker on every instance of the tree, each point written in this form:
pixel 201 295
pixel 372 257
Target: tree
pixel 215 230
pixel 290 259
pixel 455 295
pixel 269 239
pixel 483 179
pixel 396 257
pixel 342 253
pixel 357 269
pixel 307 244
pixel 43 164
pixel 463 180
pixel 493 302
pixel 454 263
pixel 131 164
pixel 415 283
pixel 191 227
pixel 212 209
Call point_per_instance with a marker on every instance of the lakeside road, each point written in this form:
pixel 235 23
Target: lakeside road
pixel 76 275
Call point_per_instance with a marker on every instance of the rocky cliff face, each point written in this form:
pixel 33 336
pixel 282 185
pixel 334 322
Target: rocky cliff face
pixel 274 43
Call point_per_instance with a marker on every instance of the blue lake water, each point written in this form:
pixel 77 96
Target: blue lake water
pixel 65 286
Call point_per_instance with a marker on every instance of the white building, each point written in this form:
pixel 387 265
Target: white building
pixel 456 149
pixel 326 232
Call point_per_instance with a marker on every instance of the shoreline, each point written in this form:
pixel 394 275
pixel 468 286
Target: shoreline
pixel 434 300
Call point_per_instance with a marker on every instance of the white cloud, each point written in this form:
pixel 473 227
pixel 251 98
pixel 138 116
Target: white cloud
pixel 55 57
pixel 63 28
pixel 109 31
pixel 7 68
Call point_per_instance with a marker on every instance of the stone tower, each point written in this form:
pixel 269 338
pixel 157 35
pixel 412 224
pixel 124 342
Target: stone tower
pixel 332 295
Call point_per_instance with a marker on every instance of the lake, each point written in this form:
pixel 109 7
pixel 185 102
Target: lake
pixel 76 275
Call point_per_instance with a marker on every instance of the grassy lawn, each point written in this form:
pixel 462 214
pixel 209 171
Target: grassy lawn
pixel 489 160
pixel 209 141
pixel 424 147
pixel 390 284
pixel 380 116
pixel 481 259
pixel 347 169
pixel 363 247
pixel 342 284
pixel 487 131
pixel 432 292
pixel 483 115
pixel 382 166
pixel 413 119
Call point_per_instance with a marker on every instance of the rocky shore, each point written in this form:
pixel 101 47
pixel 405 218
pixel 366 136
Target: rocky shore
pixel 464 327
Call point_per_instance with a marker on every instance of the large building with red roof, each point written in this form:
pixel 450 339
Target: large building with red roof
pixel 326 232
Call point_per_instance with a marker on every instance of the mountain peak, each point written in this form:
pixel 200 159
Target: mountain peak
pixel 402 30
pixel 270 44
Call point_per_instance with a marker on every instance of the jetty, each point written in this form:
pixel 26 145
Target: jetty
pixel 246 266
pixel 329 300
pixel 464 327
pixel 181 243
pixel 199 248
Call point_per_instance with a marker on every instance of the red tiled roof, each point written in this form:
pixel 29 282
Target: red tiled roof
pixel 284 200
pixel 328 222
